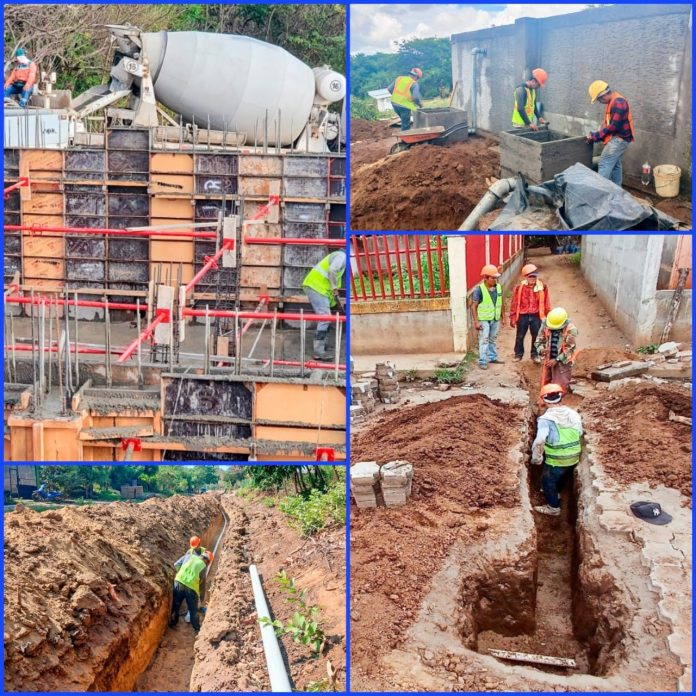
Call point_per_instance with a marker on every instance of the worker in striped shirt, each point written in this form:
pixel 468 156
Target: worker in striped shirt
pixel 616 132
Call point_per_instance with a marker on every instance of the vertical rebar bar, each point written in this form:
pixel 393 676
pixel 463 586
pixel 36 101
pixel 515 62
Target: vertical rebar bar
pixel 42 354
pixel 51 310
pixel 206 362
pixel 33 353
pixel 274 330
pixel 303 339
pixel 107 343
pixel 68 366
pixel 12 343
pixel 337 351
pixel 58 362
pixel 237 347
pixel 140 343
pixel 77 359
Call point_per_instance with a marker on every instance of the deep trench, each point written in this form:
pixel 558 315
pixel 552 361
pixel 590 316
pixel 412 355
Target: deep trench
pixel 550 611
pixel 172 661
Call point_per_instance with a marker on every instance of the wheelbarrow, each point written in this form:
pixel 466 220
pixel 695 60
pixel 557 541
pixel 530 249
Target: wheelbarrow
pixel 434 135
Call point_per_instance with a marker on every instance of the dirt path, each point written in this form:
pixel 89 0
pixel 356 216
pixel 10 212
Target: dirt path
pixel 172 664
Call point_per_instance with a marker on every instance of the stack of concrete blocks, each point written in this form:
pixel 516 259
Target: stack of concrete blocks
pixel 364 480
pixel 672 352
pixel 397 478
pixel 388 389
pixel 130 492
pixel 362 399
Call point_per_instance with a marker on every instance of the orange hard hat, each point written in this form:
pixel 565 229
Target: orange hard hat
pixel 210 555
pixel 195 542
pixel 529 268
pixel 551 393
pixel 417 72
pixel 540 75
pixel 490 270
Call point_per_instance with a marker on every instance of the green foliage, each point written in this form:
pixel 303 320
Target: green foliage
pixel 650 349
pixel 268 502
pixel 304 625
pixel 411 375
pixel 447 375
pixel 575 258
pixel 433 56
pixel 314 511
pixel 322 686
pixel 366 109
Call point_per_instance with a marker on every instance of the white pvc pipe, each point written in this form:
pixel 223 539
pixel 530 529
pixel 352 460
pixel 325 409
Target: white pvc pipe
pixel 274 659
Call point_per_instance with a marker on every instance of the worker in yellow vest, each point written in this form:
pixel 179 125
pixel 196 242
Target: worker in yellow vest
pixel 525 108
pixel 616 132
pixel 557 445
pixel 406 96
pixel 187 586
pixel 322 286
pixel 195 543
pixel 486 310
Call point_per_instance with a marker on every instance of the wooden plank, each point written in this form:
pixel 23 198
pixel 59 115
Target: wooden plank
pixel 260 165
pixel 172 184
pixel 281 434
pixel 43 221
pixel 536 659
pixel 171 162
pixel 61 444
pixel 174 209
pixel 256 276
pixel 43 246
pixel 43 268
pixel 50 203
pixel 301 403
pixel 43 164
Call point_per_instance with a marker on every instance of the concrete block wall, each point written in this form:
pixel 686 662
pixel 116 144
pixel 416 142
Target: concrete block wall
pixel 623 271
pixel 643 51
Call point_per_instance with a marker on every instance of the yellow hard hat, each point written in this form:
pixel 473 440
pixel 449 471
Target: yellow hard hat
pixel 596 88
pixel 556 318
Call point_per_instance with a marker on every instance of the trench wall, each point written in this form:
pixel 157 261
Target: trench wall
pixel 624 271
pixel 655 40
pixel 87 590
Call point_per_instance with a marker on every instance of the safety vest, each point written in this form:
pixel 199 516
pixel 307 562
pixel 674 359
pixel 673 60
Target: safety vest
pixel 566 452
pixel 529 107
pixel 564 332
pixel 538 287
pixel 318 278
pixel 402 92
pixel 190 571
pixel 486 310
pixel 25 74
pixel 607 117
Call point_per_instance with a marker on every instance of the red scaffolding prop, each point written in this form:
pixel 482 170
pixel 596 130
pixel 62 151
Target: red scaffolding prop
pixel 39 300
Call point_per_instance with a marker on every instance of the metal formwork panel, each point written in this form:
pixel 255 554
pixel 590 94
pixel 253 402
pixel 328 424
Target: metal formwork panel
pixel 85 165
pixel 128 139
pixel 126 165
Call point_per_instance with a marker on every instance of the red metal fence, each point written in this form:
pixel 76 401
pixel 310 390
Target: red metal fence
pixel 398 266
pixel 409 266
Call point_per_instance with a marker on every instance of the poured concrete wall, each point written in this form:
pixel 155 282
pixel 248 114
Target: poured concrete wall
pixel 623 270
pixel 643 51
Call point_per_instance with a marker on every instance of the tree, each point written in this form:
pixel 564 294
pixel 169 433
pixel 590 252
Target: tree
pixel 203 475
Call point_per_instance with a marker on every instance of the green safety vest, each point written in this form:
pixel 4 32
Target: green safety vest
pixel 486 310
pixel 402 92
pixel 318 278
pixel 566 452
pixel 529 108
pixel 190 572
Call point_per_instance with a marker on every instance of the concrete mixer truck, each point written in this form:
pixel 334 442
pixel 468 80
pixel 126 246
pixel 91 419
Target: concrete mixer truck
pixel 223 82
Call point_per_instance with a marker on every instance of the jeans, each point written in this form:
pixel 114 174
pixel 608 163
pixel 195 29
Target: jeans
pixel 610 166
pixel 404 114
pixel 181 593
pixel 321 305
pixel 553 481
pixel 524 322
pixel 18 88
pixel 487 335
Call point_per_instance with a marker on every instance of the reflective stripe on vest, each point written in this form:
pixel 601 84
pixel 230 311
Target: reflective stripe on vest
pixel 318 278
pixel 528 108
pixel 402 92
pixel 190 571
pixel 542 298
pixel 486 311
pixel 566 452
pixel 607 117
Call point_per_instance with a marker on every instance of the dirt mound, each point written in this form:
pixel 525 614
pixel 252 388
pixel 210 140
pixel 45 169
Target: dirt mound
pixel 361 129
pixel 590 358
pixel 83 586
pixel 427 187
pixel 637 441
pixel 458 451
pixel 370 141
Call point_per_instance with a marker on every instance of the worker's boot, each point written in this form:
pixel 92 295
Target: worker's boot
pixel 319 351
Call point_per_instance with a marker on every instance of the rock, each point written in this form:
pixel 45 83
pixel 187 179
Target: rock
pixel 444 387
pixel 428 655
pixel 669 348
pixel 85 599
pixel 394 596
pixel 354 616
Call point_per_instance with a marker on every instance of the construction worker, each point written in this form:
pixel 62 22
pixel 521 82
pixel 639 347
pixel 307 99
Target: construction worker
pixel 486 310
pixel 557 445
pixel 406 96
pixel 525 108
pixel 22 78
pixel 187 586
pixel 556 343
pixel 322 285
pixel 616 132
pixel 195 543
pixel 529 307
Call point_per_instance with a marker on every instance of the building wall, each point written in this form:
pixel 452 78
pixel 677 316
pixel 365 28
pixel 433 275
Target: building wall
pixel 643 51
pixel 623 270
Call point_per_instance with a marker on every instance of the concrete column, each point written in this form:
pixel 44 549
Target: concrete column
pixel 456 256
pixel 647 315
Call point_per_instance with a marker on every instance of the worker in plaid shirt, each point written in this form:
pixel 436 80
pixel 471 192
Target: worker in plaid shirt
pixel 616 132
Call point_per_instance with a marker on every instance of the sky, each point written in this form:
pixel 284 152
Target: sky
pixel 375 28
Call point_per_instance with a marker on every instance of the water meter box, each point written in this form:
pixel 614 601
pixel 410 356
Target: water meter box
pixel 539 155
pixel 445 116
